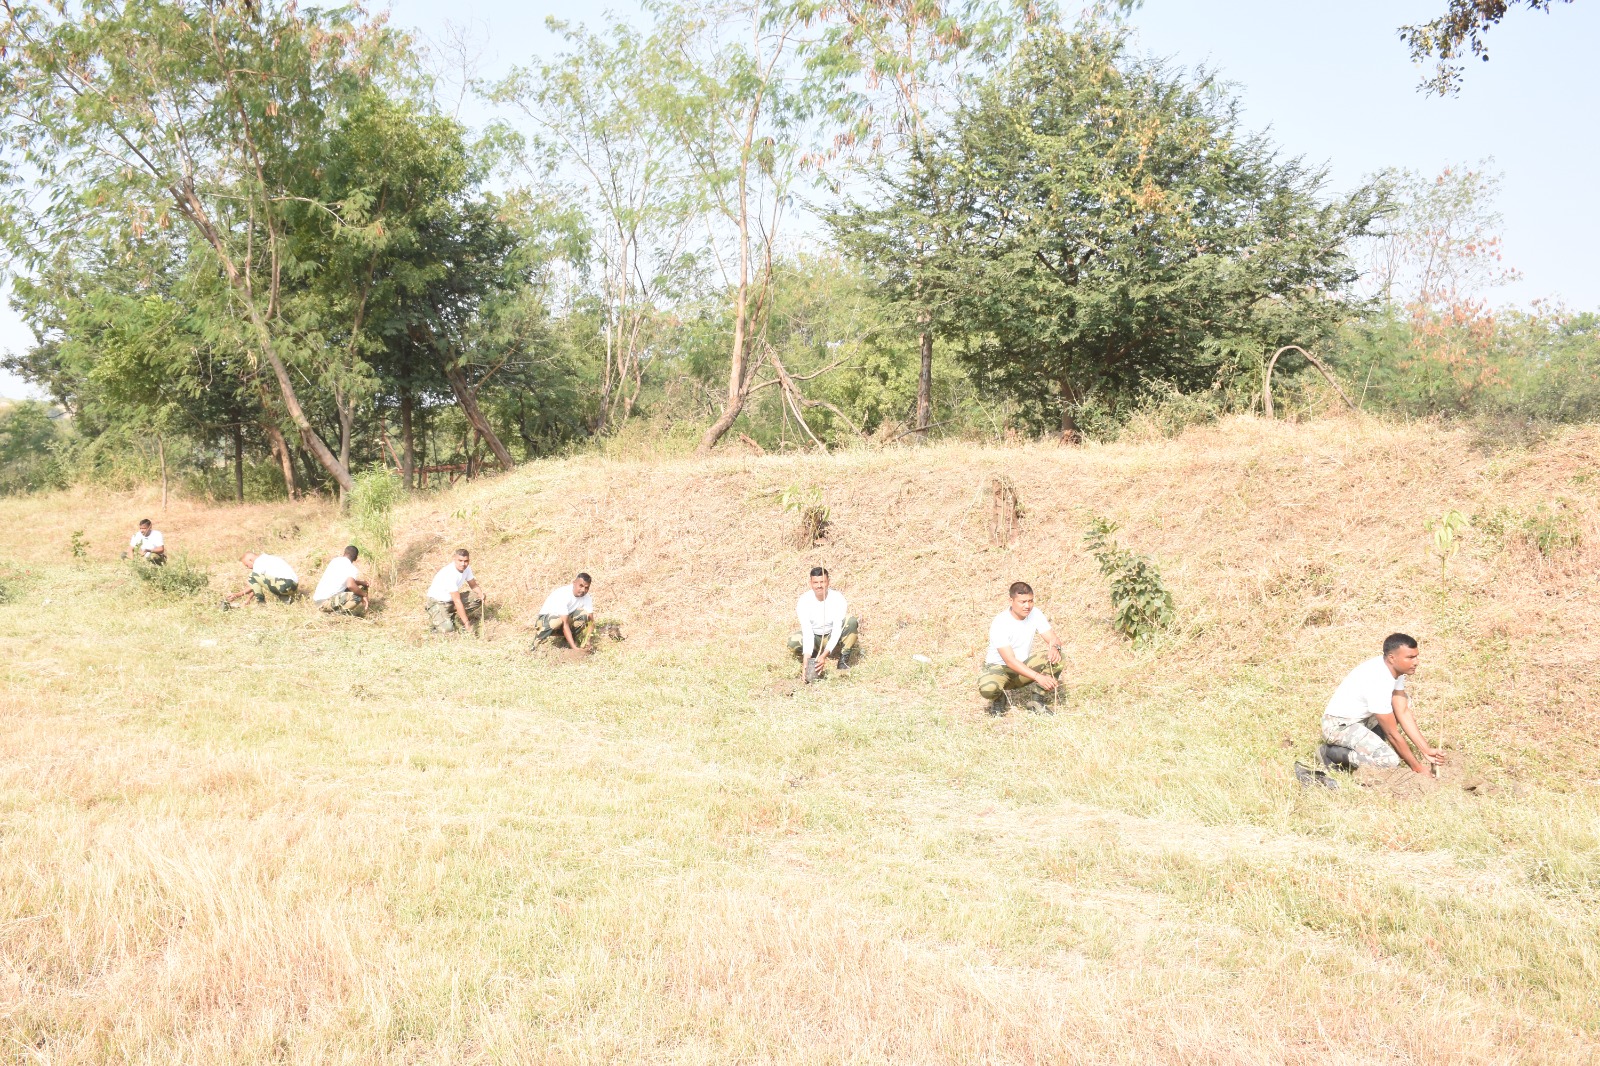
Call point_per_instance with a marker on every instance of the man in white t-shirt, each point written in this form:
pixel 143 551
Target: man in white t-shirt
pixel 341 590
pixel 1023 651
pixel 826 627
pixel 454 601
pixel 1370 698
pixel 148 544
pixel 269 576
pixel 567 613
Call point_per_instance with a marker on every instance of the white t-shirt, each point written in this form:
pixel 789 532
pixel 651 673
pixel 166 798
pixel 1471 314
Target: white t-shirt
pixel 272 566
pixel 340 570
pixel 147 542
pixel 1007 631
pixel 821 618
pixel 449 580
pixel 1367 690
pixel 562 602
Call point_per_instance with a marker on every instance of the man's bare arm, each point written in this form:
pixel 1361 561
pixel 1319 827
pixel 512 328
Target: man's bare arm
pixel 1402 713
pixel 1391 733
pixel 1052 645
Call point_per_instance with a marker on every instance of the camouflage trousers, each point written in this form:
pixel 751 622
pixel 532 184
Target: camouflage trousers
pixel 849 636
pixel 442 616
pixel 279 588
pixel 1367 745
pixel 156 558
pixel 345 602
pixel 550 627
pixel 998 678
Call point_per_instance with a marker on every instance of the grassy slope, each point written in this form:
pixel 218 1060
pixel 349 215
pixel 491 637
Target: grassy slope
pixel 268 834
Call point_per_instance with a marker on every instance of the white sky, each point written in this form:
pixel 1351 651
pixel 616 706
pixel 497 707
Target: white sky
pixel 1328 77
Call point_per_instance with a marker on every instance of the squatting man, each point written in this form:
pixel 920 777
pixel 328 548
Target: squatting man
pixel 1012 663
pixel 567 614
pixel 1372 697
pixel 826 628
pixel 454 600
pixel 269 576
pixel 342 589
pixel 148 544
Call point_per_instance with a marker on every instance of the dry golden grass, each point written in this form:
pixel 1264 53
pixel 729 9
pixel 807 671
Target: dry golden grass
pixel 268 835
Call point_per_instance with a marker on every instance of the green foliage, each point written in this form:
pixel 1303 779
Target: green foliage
pixel 814 515
pixel 1446 533
pixel 178 578
pixel 1546 530
pixel 377 492
pixel 79 546
pixel 1143 604
pixel 31 450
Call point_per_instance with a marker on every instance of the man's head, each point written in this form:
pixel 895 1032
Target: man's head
pixel 144 525
pixel 1400 653
pixel 462 558
pixel 352 552
pixel 820 582
pixel 1021 598
pixel 249 559
pixel 580 584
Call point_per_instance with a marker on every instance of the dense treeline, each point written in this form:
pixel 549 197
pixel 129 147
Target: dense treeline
pixel 258 253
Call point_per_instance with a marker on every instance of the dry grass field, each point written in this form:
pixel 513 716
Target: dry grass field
pixel 271 836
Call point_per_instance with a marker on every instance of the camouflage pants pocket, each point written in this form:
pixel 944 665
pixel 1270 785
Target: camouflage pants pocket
pixel 442 616
pixel 1367 746
pixel 550 627
pixel 998 678
pixel 279 588
pixel 345 602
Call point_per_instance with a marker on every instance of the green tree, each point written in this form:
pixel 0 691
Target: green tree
pixel 1094 223
pixel 1446 40
pixel 29 438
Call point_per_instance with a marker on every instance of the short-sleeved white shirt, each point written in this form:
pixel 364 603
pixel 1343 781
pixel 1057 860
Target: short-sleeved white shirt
pixel 335 578
pixel 1009 631
pixel 272 566
pixel 1366 691
pixel 820 618
pixel 147 542
pixel 447 581
pixel 562 602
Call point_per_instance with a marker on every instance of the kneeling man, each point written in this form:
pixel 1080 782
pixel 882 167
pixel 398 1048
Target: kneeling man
pixel 567 613
pixel 269 576
pixel 148 544
pixel 448 607
pixel 1372 697
pixel 1012 662
pixel 826 627
pixel 341 590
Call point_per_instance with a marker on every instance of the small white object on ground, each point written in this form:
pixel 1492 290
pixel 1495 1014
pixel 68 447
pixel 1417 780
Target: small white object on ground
pixel 922 659
pixel 207 643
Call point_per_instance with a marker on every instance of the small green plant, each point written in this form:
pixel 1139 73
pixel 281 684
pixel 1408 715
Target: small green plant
pixel 814 514
pixel 178 578
pixel 80 547
pixel 1144 606
pixel 1547 530
pixel 1446 538
pixel 372 503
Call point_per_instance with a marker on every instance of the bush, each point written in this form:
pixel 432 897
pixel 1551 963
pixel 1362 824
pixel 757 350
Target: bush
pixel 1546 530
pixel 372 502
pixel 179 578
pixel 31 445
pixel 1144 606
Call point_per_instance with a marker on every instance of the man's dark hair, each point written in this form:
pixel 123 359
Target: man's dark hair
pixel 146 522
pixel 462 553
pixel 1021 588
pixel 1394 641
pixel 819 571
pixel 352 552
pixel 585 578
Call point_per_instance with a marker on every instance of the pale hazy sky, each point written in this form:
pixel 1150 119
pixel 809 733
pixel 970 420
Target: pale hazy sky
pixel 1328 77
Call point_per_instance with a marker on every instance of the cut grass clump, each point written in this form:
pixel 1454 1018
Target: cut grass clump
pixel 178 578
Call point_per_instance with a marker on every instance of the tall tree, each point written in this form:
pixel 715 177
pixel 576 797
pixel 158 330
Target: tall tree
pixel 1099 223
pixel 200 108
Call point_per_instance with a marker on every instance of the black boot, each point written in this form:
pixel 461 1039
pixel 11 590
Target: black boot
pixel 1335 757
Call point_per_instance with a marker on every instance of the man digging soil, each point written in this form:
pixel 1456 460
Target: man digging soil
pixel 1012 667
pixel 826 628
pixel 1369 717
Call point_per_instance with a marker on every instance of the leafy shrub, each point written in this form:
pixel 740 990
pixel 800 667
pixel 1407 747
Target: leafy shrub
pixel 377 492
pixel 31 445
pixel 177 578
pixel 1144 606
pixel 814 514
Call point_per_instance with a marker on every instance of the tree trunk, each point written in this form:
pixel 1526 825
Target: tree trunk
pixel 408 457
pixel 347 417
pixel 238 462
pixel 161 450
pixel 925 379
pixel 469 407
pixel 1070 431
